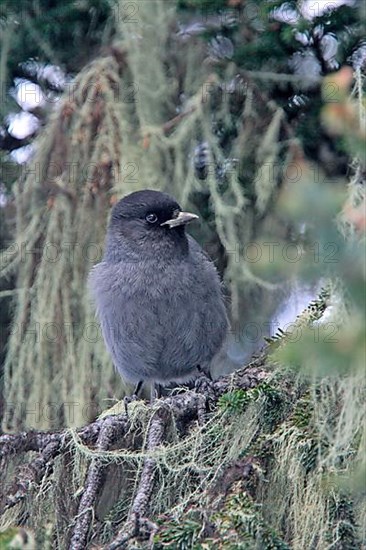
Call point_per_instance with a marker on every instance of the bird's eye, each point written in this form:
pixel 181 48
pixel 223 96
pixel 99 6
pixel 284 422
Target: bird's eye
pixel 151 218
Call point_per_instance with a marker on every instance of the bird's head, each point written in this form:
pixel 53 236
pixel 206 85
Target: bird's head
pixel 148 222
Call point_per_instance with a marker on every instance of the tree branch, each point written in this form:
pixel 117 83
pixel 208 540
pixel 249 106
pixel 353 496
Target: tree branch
pixel 111 430
pixel 181 408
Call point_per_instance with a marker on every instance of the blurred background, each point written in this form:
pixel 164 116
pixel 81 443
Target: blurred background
pixel 252 114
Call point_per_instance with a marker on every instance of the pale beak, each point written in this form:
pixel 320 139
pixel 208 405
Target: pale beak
pixel 182 219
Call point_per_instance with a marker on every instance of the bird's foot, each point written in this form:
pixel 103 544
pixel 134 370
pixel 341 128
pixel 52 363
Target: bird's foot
pixel 134 397
pixel 129 399
pixel 155 392
pixel 205 385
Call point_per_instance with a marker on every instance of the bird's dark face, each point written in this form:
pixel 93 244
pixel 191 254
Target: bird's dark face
pixel 148 222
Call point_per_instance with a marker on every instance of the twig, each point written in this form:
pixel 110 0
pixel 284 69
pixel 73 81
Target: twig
pixel 141 501
pixel 37 440
pixel 26 441
pixel 139 507
pixel 155 437
pixel 49 445
pixel 169 125
pixel 30 475
pixel 110 431
pixel 138 527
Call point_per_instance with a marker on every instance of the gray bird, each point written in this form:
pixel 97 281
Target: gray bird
pixel 158 296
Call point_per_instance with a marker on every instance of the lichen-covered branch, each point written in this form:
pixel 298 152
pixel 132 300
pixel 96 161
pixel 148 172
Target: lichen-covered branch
pixel 48 445
pixel 30 475
pixel 140 504
pixel 99 436
pixel 112 428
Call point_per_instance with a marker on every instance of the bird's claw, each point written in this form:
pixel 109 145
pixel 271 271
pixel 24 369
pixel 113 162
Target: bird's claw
pixel 205 385
pixel 129 399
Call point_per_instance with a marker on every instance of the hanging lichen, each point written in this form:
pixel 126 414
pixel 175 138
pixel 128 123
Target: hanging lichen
pixel 52 370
